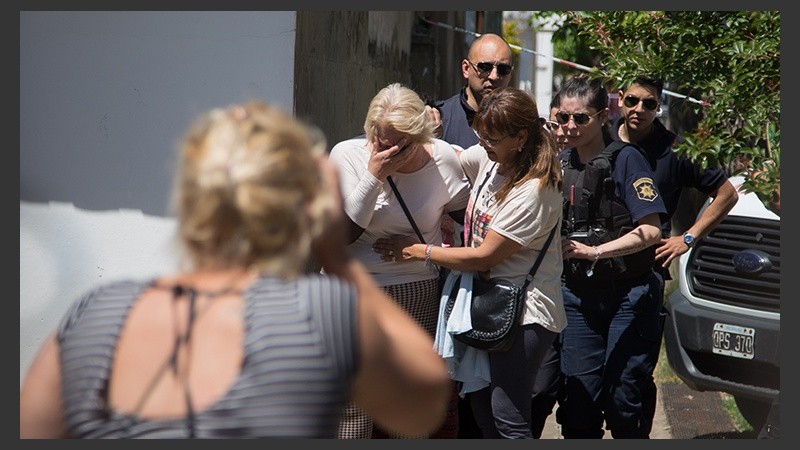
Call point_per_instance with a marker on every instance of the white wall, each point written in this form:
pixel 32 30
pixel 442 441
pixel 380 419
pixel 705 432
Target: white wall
pixel 64 251
pixel 106 95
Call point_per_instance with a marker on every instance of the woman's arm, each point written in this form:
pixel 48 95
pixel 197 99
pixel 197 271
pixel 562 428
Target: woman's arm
pixel 494 249
pixel 646 234
pixel 402 383
pixel 40 414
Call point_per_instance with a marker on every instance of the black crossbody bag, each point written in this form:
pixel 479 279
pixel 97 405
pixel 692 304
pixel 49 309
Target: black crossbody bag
pixel 497 305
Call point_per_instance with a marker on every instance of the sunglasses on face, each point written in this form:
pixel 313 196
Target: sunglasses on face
pixel 578 118
pixel 551 125
pixel 484 68
pixel 630 101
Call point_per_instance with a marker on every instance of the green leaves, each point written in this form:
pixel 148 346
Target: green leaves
pixel 730 59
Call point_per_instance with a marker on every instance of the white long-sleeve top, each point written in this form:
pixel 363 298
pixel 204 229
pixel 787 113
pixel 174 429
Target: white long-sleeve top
pixel 437 188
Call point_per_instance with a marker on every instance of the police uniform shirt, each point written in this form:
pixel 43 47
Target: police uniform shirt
pixel 633 180
pixel 673 172
pixel 633 183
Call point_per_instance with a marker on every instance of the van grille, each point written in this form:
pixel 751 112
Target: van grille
pixel 711 273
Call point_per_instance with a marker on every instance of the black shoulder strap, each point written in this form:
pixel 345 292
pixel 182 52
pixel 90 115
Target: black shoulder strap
pixel 612 150
pixel 532 272
pixel 405 209
pixel 570 176
pixel 614 147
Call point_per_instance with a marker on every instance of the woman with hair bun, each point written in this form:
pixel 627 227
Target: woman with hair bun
pixel 240 343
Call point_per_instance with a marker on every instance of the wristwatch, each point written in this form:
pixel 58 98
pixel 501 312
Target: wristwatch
pixel 688 239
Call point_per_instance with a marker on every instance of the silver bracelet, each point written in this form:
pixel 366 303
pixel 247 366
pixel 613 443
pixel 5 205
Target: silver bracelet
pixel 428 262
pixel 590 270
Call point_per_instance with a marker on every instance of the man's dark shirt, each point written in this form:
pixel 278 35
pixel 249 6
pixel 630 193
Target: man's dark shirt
pixel 457 118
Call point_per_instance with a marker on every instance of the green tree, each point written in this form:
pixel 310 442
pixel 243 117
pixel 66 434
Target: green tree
pixel 567 43
pixel 726 63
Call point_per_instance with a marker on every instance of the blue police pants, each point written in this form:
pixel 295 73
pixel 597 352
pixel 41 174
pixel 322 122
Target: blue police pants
pixel 609 351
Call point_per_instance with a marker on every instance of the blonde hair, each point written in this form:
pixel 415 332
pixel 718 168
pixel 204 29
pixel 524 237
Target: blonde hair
pixel 249 191
pixel 401 109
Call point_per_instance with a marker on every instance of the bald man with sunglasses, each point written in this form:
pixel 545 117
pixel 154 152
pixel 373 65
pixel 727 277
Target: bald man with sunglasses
pixel 640 103
pixel 487 67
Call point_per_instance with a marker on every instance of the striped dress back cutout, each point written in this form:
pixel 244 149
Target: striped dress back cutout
pixel 299 360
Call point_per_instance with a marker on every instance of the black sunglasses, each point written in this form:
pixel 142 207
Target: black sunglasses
pixel 630 101
pixel 486 67
pixel 578 118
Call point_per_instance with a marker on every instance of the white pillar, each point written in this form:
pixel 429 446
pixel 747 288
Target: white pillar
pixel 534 70
pixel 544 71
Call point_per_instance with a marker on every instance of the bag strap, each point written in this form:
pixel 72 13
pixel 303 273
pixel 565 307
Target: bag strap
pixel 405 209
pixel 536 264
pixel 475 203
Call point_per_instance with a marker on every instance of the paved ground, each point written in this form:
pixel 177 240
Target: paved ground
pixel 681 413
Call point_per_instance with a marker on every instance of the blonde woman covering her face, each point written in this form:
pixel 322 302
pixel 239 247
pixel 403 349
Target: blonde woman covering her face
pixel 239 343
pixel 398 145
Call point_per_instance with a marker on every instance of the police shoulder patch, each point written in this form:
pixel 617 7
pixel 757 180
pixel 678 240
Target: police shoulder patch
pixel 645 190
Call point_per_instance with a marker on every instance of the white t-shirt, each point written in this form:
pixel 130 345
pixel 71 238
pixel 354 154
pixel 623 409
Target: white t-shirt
pixel 437 188
pixel 526 216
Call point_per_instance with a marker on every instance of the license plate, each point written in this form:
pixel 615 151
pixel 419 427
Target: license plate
pixel 733 340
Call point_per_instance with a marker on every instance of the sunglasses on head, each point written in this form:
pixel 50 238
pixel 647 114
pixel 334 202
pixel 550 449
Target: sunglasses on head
pixel 486 67
pixel 631 100
pixel 578 118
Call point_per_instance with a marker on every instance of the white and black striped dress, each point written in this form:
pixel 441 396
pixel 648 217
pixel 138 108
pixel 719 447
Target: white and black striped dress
pixel 300 357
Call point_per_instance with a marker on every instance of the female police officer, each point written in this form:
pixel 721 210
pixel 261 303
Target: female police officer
pixel 611 296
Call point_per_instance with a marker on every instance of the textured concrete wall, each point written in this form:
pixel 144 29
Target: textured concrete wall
pixel 436 54
pixel 342 59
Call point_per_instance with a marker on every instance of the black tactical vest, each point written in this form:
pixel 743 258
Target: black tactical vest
pixel 596 215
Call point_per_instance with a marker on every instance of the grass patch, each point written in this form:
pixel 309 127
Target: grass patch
pixel 733 411
pixel 663 372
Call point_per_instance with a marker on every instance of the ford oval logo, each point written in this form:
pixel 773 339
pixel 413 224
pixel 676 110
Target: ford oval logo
pixel 751 261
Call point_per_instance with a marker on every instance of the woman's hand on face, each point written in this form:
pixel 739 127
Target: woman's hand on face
pixel 383 163
pixel 395 248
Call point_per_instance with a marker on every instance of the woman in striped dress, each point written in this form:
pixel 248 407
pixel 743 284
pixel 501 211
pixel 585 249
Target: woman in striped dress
pixel 240 343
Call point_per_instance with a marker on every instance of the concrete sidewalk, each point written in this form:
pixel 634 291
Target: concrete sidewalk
pixel 661 428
